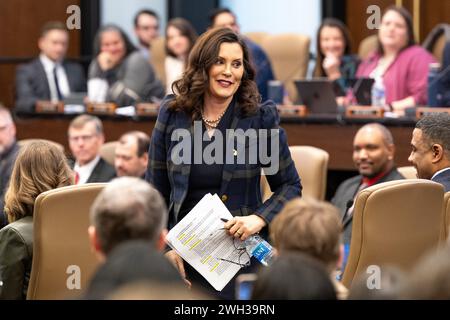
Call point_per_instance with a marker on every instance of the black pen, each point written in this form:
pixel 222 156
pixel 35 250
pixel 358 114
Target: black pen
pixel 224 220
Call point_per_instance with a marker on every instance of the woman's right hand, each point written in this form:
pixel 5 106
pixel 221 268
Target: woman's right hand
pixel 331 66
pixel 178 263
pixel 105 60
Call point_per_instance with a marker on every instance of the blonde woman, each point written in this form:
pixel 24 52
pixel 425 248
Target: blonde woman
pixel 40 166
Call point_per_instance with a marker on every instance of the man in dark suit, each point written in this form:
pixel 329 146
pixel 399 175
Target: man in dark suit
pixel 48 77
pixel 131 154
pixel 8 153
pixel 85 139
pixel 430 145
pixel 373 155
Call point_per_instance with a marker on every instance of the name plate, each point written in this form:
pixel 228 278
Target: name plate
pixel 292 111
pixel 44 106
pixel 423 111
pixel 147 109
pixel 101 108
pixel 364 112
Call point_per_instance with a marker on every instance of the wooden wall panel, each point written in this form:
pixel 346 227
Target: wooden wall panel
pixel 20 24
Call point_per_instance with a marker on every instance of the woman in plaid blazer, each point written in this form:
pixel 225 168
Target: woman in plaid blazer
pixel 216 94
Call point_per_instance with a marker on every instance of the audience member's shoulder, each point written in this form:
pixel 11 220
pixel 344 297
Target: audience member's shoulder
pixel 416 51
pixel 136 58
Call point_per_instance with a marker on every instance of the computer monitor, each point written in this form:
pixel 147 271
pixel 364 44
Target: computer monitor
pixel 318 96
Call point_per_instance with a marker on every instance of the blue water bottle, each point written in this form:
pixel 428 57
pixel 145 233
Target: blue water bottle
pixel 434 90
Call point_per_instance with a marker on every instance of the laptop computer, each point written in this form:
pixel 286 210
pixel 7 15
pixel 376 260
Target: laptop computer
pixel 318 96
pixel 362 90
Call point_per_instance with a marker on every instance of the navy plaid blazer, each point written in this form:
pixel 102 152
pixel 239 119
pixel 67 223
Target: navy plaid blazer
pixel 240 189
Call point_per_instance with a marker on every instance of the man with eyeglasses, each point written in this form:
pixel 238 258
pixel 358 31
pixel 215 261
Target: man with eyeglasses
pixel 85 139
pixel 146 28
pixel 8 153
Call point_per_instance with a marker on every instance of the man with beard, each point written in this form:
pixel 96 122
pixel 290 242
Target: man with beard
pixel 430 149
pixel 373 155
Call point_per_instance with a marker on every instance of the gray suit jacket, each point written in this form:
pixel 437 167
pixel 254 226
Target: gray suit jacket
pixel 32 84
pixel 444 179
pixel 343 198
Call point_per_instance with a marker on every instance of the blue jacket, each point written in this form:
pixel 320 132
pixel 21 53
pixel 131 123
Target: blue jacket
pixel 240 188
pixel 262 66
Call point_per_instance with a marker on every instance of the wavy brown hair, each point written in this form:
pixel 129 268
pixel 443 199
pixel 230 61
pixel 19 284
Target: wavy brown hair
pixel 40 166
pixel 186 29
pixel 191 88
pixel 332 23
pixel 409 26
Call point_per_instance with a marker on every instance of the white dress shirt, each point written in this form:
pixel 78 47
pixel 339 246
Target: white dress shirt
pixel 63 83
pixel 85 171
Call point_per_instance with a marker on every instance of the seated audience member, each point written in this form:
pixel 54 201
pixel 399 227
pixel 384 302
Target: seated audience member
pixel 373 156
pixel 398 65
pixel 146 29
pixel 334 59
pixel 119 73
pixel 224 17
pixel 293 276
pixel 50 76
pixel 180 38
pixel 126 209
pixel 8 153
pixel 40 166
pixel 85 139
pixel 430 144
pixel 314 228
pixel 133 263
pixel 131 155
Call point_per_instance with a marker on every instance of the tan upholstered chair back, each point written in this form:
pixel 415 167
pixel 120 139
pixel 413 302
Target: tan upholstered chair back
pixel 311 164
pixel 157 58
pixel 25 141
pixel 289 56
pixel 61 244
pixel 108 151
pixel 256 37
pixel 409 172
pixel 367 46
pixel 394 223
pixel 447 213
pixel 436 39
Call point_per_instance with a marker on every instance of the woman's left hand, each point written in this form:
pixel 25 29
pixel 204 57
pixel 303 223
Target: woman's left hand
pixel 243 227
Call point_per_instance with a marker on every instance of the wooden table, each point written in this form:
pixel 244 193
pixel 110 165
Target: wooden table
pixel 331 134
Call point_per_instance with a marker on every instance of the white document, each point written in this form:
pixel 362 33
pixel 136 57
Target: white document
pixel 199 238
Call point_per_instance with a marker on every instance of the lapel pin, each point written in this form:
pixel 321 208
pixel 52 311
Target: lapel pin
pixel 234 152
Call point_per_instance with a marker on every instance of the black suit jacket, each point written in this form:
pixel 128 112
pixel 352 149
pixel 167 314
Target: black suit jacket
pixel 103 172
pixel 444 179
pixel 346 192
pixel 32 84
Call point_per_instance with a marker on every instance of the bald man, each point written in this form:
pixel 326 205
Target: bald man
pixel 373 156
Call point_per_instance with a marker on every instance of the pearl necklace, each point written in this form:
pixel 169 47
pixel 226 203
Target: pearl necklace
pixel 213 123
